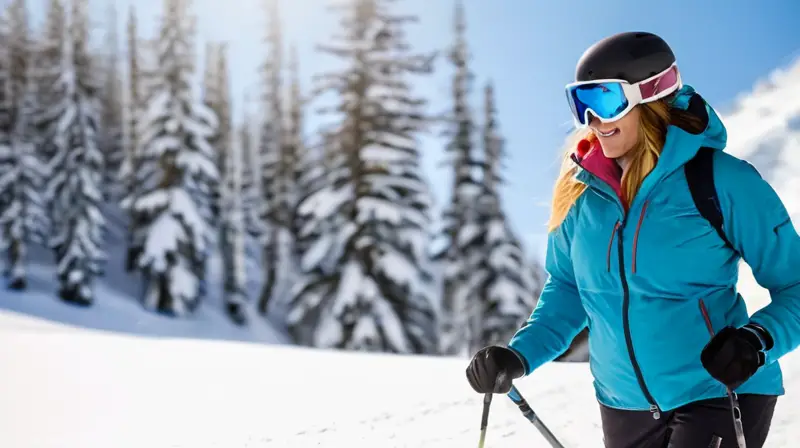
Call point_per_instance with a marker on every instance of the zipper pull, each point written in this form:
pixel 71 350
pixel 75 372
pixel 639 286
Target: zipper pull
pixel 656 413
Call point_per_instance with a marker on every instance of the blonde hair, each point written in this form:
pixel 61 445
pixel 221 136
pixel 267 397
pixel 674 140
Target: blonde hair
pixel 654 120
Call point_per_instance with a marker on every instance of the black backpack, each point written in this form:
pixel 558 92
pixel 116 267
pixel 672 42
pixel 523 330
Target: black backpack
pixel 700 177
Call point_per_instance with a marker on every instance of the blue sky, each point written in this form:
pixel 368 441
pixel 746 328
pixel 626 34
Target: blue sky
pixel 528 48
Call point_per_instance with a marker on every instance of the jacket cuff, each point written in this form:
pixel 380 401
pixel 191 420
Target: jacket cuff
pixel 762 334
pixel 525 368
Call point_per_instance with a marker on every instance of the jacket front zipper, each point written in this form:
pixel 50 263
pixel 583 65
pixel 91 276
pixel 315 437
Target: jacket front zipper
pixel 654 409
pixel 626 298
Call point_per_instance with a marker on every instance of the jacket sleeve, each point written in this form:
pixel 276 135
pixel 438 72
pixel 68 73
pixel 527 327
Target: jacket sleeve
pixel 760 228
pixel 559 314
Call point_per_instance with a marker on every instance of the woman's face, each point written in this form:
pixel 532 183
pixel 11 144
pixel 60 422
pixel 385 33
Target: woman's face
pixel 619 137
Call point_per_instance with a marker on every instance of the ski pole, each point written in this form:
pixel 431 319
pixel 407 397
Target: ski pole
pixel 737 418
pixel 736 411
pixel 487 401
pixel 523 406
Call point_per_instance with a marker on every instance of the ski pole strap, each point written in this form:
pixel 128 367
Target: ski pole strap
pixel 529 414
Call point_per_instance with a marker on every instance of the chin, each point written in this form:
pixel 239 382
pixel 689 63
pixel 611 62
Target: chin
pixel 611 154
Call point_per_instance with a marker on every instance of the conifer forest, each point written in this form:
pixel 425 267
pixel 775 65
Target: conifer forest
pixel 335 224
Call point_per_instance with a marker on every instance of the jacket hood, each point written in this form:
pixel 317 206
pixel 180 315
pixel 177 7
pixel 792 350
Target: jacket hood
pixel 681 145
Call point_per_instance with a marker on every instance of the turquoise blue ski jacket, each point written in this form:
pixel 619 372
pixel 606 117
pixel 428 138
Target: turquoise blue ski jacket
pixel 640 279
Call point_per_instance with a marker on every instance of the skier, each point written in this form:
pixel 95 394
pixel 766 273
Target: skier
pixel 635 254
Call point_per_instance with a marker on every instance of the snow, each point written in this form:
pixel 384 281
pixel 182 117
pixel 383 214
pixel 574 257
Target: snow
pixel 401 269
pixel 379 209
pixel 90 389
pixel 163 238
pixel 116 309
pixel 326 202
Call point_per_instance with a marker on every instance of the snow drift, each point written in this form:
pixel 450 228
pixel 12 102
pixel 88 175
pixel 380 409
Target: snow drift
pixel 67 387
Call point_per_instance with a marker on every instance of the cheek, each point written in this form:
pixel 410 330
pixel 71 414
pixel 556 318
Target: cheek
pixel 630 125
pixel 632 136
pixel 631 133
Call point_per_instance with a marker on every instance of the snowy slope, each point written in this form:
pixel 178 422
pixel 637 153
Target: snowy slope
pixel 116 306
pixel 764 129
pixel 86 389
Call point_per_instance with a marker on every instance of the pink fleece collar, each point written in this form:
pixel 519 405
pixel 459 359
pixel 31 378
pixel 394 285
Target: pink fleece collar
pixel 591 158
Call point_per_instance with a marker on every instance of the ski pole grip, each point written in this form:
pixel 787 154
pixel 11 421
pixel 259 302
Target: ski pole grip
pixel 523 406
pixel 487 401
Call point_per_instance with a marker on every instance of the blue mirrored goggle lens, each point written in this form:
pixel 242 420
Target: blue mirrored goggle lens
pixel 606 100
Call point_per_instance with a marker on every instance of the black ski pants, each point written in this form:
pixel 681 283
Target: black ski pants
pixel 691 426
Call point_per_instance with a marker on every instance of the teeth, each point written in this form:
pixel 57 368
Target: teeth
pixel 609 134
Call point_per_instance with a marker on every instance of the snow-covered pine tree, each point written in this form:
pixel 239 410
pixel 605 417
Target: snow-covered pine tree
pixel 325 171
pixel 228 191
pixel 250 193
pixel 271 148
pixel 20 46
pixel 176 165
pixel 7 159
pixel 506 294
pixel 76 178
pixel 295 163
pixel 212 99
pixel 252 199
pixel 312 177
pixel 7 116
pixel 49 85
pixel 462 248
pixel 133 99
pixel 235 283
pixel 308 169
pixel 23 219
pixel 365 284
pixel 111 118
pixel 131 163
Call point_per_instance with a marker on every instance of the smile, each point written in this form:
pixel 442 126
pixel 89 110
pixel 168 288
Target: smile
pixel 607 134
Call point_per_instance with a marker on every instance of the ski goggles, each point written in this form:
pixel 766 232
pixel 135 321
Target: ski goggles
pixel 611 99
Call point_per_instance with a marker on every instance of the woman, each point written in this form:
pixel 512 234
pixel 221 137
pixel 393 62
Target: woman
pixel 630 256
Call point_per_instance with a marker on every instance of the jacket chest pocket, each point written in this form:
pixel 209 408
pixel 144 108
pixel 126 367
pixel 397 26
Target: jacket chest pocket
pixel 673 245
pixel 595 248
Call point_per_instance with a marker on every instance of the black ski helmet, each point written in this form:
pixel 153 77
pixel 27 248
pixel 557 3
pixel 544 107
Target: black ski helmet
pixel 631 56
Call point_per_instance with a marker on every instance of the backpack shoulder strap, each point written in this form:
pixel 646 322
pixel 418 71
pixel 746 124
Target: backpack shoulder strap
pixel 700 177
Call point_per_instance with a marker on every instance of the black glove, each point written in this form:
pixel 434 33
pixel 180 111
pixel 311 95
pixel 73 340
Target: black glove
pixel 491 363
pixel 734 355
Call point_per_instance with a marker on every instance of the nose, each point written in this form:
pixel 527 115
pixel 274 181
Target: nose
pixel 591 118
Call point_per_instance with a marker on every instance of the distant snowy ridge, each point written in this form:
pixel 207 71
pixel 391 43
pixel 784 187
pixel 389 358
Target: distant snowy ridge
pixel 764 129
